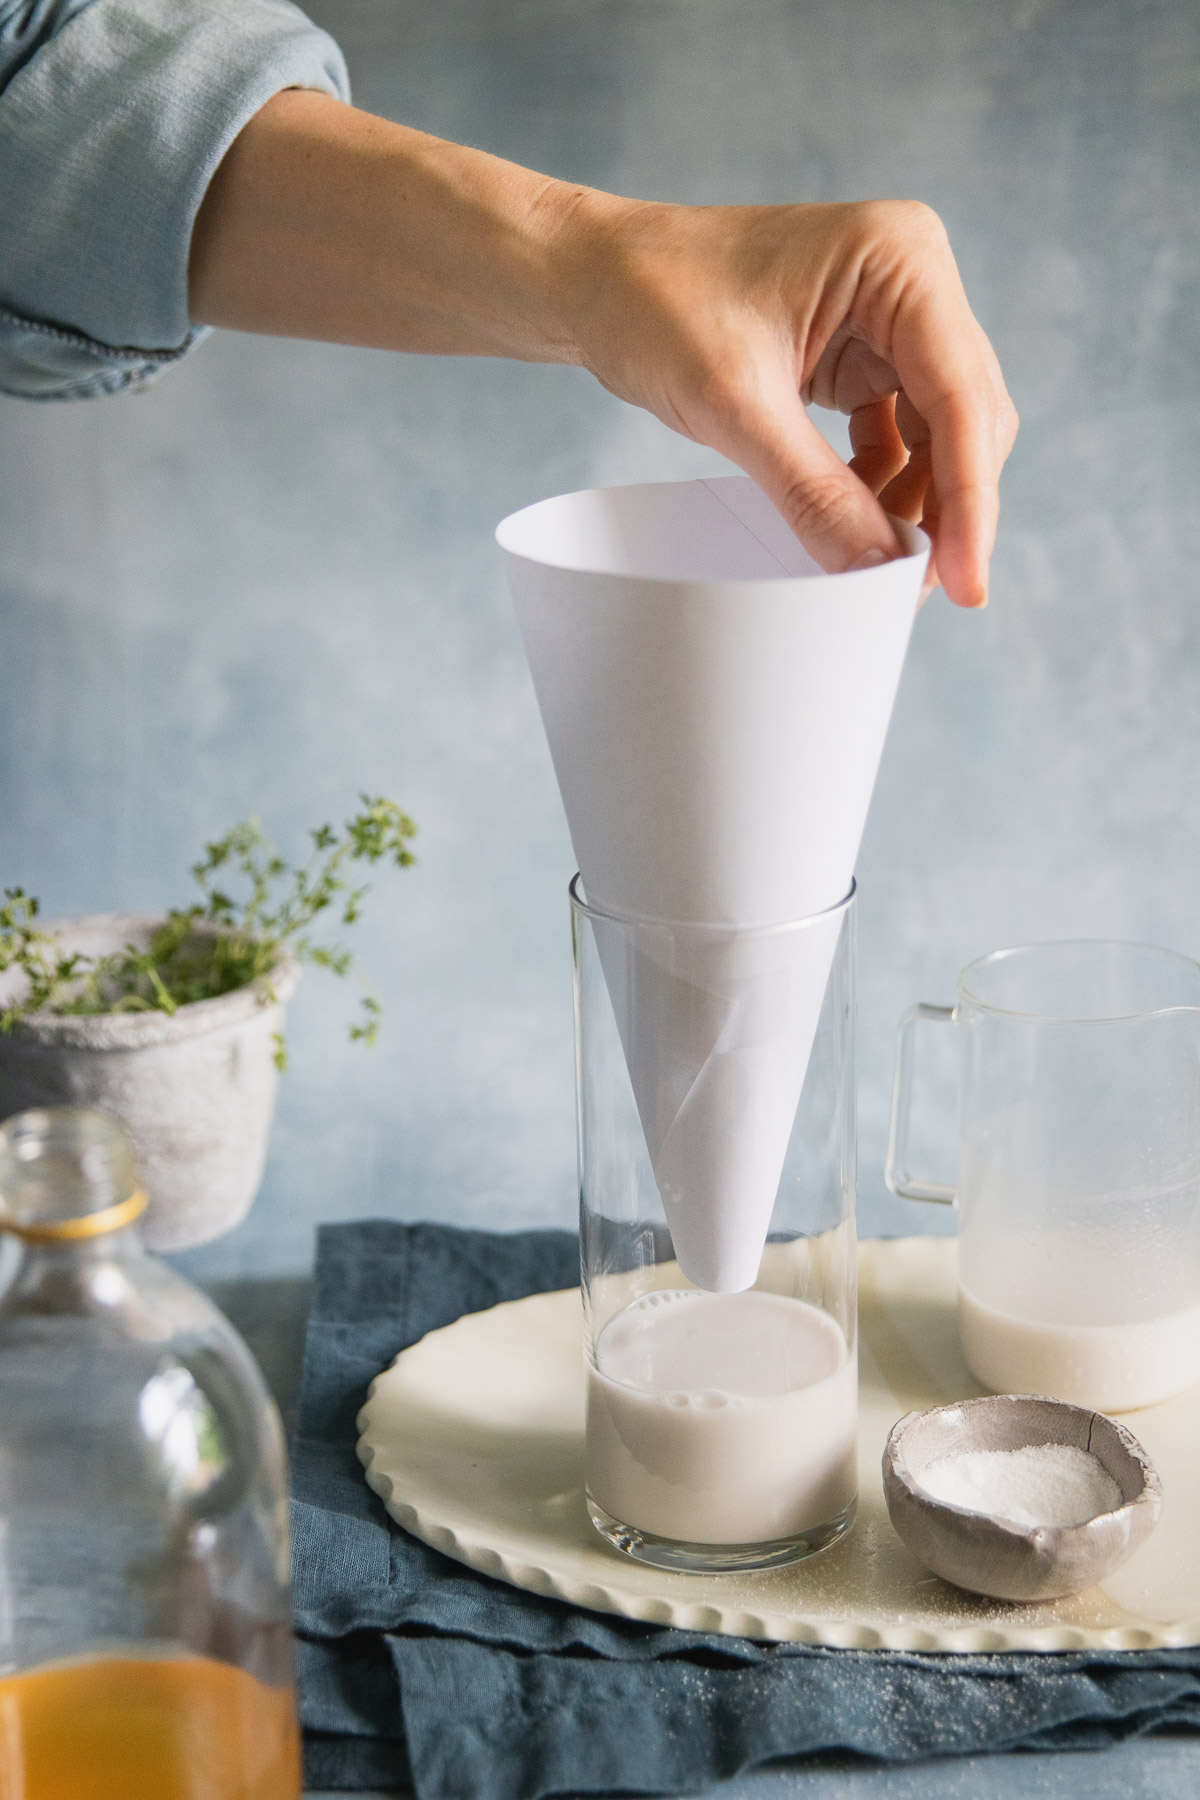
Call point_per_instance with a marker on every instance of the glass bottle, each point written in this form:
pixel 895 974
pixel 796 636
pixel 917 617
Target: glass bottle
pixel 145 1618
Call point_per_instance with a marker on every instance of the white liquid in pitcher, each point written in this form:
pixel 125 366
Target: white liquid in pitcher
pixel 1111 1368
pixel 1091 1317
pixel 722 1418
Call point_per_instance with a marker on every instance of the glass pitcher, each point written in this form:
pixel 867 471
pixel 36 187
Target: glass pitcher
pixel 145 1619
pixel 1078 1189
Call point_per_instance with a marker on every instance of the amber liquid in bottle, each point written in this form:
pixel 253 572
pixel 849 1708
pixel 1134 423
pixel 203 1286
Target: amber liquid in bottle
pixel 131 1728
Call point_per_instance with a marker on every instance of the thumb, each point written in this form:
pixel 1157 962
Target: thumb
pixel 835 515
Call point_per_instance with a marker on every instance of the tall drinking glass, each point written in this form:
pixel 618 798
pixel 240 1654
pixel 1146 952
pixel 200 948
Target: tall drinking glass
pixel 716 1109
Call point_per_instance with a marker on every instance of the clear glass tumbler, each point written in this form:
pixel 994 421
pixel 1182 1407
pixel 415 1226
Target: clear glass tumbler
pixel 1078 1188
pixel 145 1617
pixel 716 1111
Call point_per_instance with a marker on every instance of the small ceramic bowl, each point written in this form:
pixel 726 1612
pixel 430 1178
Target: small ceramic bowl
pixel 990 1555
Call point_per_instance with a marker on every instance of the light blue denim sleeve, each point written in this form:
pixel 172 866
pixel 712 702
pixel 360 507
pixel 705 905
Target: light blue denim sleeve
pixel 113 117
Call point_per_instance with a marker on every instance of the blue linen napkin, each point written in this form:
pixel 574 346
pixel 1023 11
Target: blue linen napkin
pixel 414 1669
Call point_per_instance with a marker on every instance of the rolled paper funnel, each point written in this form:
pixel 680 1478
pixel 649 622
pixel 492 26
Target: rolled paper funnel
pixel 715 707
pixel 717 1026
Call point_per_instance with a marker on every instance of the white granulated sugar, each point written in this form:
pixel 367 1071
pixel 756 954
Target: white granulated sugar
pixel 1041 1484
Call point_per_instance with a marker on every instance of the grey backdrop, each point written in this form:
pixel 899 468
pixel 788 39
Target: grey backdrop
pixel 270 581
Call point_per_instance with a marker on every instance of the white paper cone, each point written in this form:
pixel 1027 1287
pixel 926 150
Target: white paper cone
pixel 715 708
pixel 717 1027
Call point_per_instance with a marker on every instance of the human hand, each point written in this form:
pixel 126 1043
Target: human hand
pixel 325 222
pixel 723 321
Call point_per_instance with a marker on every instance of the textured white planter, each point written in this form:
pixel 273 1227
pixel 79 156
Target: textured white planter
pixel 194 1088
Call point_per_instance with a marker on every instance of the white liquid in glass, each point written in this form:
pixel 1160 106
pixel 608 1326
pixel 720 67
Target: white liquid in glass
pixel 722 1418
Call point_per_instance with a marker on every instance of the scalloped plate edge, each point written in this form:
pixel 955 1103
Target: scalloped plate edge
pixel 768 1627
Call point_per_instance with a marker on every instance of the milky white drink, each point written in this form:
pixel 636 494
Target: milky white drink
pixel 1111 1368
pixel 1096 1318
pixel 722 1418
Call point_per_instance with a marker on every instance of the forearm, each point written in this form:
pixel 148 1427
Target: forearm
pixel 326 222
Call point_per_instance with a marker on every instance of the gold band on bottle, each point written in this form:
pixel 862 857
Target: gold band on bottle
pixel 88 1225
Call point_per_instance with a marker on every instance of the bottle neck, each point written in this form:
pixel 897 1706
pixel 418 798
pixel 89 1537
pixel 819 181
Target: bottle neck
pixel 83 1279
pixel 70 1199
pixel 48 1228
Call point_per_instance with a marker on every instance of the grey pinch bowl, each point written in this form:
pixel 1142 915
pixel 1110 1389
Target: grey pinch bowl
pixel 989 1555
pixel 195 1089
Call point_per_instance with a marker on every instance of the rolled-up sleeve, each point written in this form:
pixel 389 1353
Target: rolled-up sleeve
pixel 112 122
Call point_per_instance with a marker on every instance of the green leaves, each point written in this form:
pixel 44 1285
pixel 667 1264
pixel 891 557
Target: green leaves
pixel 368 1030
pixel 37 954
pixel 226 939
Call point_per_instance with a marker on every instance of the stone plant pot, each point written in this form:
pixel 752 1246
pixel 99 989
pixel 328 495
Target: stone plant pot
pixel 194 1088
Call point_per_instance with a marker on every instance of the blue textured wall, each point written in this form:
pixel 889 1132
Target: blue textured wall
pixel 270 581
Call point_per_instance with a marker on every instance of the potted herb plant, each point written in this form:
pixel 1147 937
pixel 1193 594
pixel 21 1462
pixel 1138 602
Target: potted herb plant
pixel 174 1023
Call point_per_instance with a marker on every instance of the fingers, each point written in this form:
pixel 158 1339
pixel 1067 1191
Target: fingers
pixel 849 374
pixel 879 450
pixel 833 512
pixel 950 374
pixel 963 501
pixel 905 496
pixel 894 443
pixel 894 462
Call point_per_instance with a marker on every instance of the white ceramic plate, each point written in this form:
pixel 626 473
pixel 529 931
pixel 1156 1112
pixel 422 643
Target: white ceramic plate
pixel 474 1440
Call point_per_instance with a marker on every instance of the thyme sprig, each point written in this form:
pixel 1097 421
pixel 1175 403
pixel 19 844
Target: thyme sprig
pixel 226 939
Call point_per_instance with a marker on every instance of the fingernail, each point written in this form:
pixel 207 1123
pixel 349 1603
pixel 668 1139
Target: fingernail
pixel 871 559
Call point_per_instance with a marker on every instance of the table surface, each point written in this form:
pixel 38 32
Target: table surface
pixel 270 1313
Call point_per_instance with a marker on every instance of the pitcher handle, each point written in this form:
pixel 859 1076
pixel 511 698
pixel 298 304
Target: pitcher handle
pixel 896 1171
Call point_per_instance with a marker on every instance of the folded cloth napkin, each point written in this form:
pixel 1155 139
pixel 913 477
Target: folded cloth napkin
pixel 414 1669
